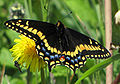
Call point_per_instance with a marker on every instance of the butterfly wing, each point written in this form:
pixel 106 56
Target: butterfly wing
pixel 88 46
pixel 45 36
pixel 79 47
pixel 35 30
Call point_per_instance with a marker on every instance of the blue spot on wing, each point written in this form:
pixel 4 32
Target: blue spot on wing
pixel 43 49
pixel 72 61
pixel 76 60
pixel 51 57
pixel 46 53
pixel 56 55
pixel 41 43
pixel 68 58
pixel 79 57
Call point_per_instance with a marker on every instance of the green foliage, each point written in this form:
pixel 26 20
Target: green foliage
pixel 87 17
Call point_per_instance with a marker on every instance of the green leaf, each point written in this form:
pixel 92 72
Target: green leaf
pixel 5 57
pixel 12 35
pixel 98 67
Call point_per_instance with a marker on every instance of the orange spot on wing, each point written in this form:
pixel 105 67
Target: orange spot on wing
pixel 62 58
pixel 82 48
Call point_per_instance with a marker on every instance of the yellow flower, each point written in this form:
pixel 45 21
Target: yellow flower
pixel 24 52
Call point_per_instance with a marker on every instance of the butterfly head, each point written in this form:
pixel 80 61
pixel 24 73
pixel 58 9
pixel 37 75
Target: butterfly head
pixel 60 27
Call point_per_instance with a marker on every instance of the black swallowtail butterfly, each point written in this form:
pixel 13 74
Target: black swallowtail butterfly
pixel 58 45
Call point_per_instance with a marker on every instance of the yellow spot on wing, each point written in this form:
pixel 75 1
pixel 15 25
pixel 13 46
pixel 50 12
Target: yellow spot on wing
pixel 25 27
pixel 30 29
pixel 83 58
pixel 6 24
pixel 46 44
pixel 21 25
pixel 42 37
pixel 72 54
pixel 92 55
pixel 55 50
pixel 59 52
pixel 48 47
pixel 76 51
pixel 67 63
pixel 80 62
pixel 103 50
pixel 52 66
pixel 64 53
pixel 29 36
pixel 90 41
pixel 76 64
pixel 51 49
pixel 27 23
pixel 12 27
pixel 82 47
pixel 46 58
pixel 102 56
pixel 72 66
pixel 86 47
pixel 25 33
pixel 38 47
pixel 90 47
pixel 9 25
pixel 99 48
pixel 96 48
pixel 78 48
pixel 19 20
pixel 68 53
pixel 95 55
pixel 20 31
pixel 93 47
pixel 52 63
pixel 67 66
pixel 40 34
pixel 96 42
pixel 87 55
pixel 57 62
pixel 98 55
pixel 45 40
pixel 41 54
pixel 13 23
pixel 34 31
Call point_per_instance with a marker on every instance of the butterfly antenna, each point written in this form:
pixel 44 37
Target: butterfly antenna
pixel 67 15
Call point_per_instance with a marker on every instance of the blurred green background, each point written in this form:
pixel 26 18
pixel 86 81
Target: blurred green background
pixel 87 17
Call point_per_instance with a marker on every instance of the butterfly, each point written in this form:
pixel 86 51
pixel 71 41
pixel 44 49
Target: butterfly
pixel 59 45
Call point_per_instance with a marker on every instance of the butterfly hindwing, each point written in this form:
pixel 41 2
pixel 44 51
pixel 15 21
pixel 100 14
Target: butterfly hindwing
pixel 88 46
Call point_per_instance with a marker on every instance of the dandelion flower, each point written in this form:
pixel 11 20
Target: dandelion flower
pixel 24 52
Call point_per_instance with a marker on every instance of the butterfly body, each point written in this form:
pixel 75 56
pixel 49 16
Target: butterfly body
pixel 58 45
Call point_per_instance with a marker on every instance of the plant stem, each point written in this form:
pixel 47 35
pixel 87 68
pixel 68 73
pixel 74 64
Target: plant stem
pixel 26 8
pixel 42 76
pixel 30 8
pixel 29 76
pixel 108 30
